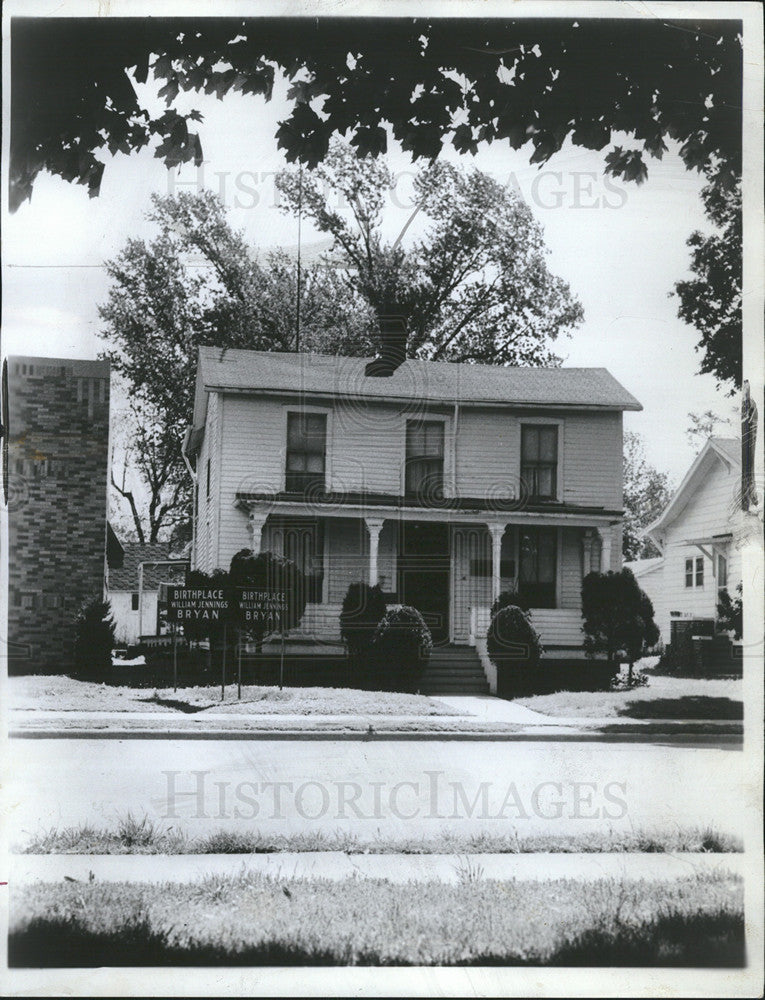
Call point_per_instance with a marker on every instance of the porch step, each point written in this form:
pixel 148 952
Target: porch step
pixel 454 670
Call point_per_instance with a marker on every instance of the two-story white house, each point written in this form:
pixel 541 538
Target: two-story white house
pixel 700 534
pixel 444 483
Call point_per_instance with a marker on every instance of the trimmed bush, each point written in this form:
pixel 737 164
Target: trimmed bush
pixel 401 647
pixel 94 639
pixel 509 599
pixel 617 618
pixel 515 649
pixel 362 610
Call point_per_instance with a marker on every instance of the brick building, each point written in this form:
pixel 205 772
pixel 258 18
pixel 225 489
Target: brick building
pixel 56 461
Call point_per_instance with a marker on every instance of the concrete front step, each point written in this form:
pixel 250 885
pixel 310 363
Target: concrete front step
pixel 435 690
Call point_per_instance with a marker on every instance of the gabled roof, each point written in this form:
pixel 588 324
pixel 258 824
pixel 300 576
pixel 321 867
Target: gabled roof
pixel 726 450
pixel 230 370
pixel 641 567
pixel 126 576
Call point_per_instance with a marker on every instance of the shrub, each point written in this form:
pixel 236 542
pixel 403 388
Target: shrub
pixel 94 638
pixel 509 599
pixel 514 647
pixel 730 613
pixel 617 617
pixel 362 610
pixel 401 647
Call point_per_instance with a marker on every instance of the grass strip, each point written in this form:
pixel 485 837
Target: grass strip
pixel 258 920
pixel 141 835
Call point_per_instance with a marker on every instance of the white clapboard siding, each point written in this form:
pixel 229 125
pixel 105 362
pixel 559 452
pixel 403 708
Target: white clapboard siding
pixel 707 513
pixel 366 450
pixel 320 621
pixel 592 460
pixel 556 626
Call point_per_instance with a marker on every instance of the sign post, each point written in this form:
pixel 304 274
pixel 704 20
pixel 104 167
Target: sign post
pixel 175 657
pixel 199 605
pixel 223 667
pixel 239 663
pixel 261 612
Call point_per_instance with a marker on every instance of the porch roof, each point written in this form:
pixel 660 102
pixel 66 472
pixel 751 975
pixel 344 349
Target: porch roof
pixel 450 508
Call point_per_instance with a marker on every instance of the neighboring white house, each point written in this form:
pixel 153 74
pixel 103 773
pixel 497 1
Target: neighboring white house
pixel 132 587
pixel 444 483
pixel 700 536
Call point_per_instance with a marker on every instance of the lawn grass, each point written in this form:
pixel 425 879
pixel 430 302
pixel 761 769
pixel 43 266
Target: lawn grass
pixel 140 835
pixel 259 920
pixel 65 694
pixel 663 698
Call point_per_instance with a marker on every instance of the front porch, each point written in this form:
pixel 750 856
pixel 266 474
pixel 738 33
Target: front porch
pixel 451 564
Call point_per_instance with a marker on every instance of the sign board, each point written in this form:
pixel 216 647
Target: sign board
pixel 262 608
pixel 197 604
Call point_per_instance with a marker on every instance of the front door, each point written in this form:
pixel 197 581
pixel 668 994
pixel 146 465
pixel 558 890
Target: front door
pixel 423 573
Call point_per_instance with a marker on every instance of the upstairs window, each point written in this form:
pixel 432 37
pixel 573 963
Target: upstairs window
pixel 700 571
pixel 538 551
pixel 539 461
pixel 306 452
pixel 425 459
pixel 689 572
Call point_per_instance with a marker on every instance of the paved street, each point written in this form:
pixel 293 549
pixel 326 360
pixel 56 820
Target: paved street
pixel 410 788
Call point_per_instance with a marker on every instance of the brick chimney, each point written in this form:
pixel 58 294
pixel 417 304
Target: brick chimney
pixel 392 351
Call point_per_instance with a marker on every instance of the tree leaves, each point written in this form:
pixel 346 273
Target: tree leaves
pixel 712 300
pixel 474 286
pixel 432 81
pixel 195 283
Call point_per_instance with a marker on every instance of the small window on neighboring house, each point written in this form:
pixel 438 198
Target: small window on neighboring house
pixel 28 600
pixel 134 602
pixel 689 572
pixel 539 461
pixel 425 459
pixel 51 601
pixel 700 571
pixel 306 451
pixel 722 572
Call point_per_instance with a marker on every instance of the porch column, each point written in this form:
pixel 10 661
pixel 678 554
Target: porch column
pixel 496 531
pixel 605 550
pixel 587 540
pixel 374 527
pixel 257 520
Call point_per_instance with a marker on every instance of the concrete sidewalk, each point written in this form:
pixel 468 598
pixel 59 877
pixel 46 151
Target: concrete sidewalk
pixel 338 865
pixel 479 717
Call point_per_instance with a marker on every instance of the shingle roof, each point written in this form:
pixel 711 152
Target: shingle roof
pixel 434 381
pixel 126 576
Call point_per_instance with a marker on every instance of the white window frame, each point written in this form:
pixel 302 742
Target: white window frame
pixel 425 417
pixel 328 443
pixel 558 422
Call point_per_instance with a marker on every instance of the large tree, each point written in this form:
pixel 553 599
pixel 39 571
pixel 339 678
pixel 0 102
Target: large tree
pixel 621 85
pixel 711 300
pixel 197 282
pixel 647 491
pixel 473 286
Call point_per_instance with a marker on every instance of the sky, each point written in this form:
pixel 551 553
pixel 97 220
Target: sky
pixel 620 246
